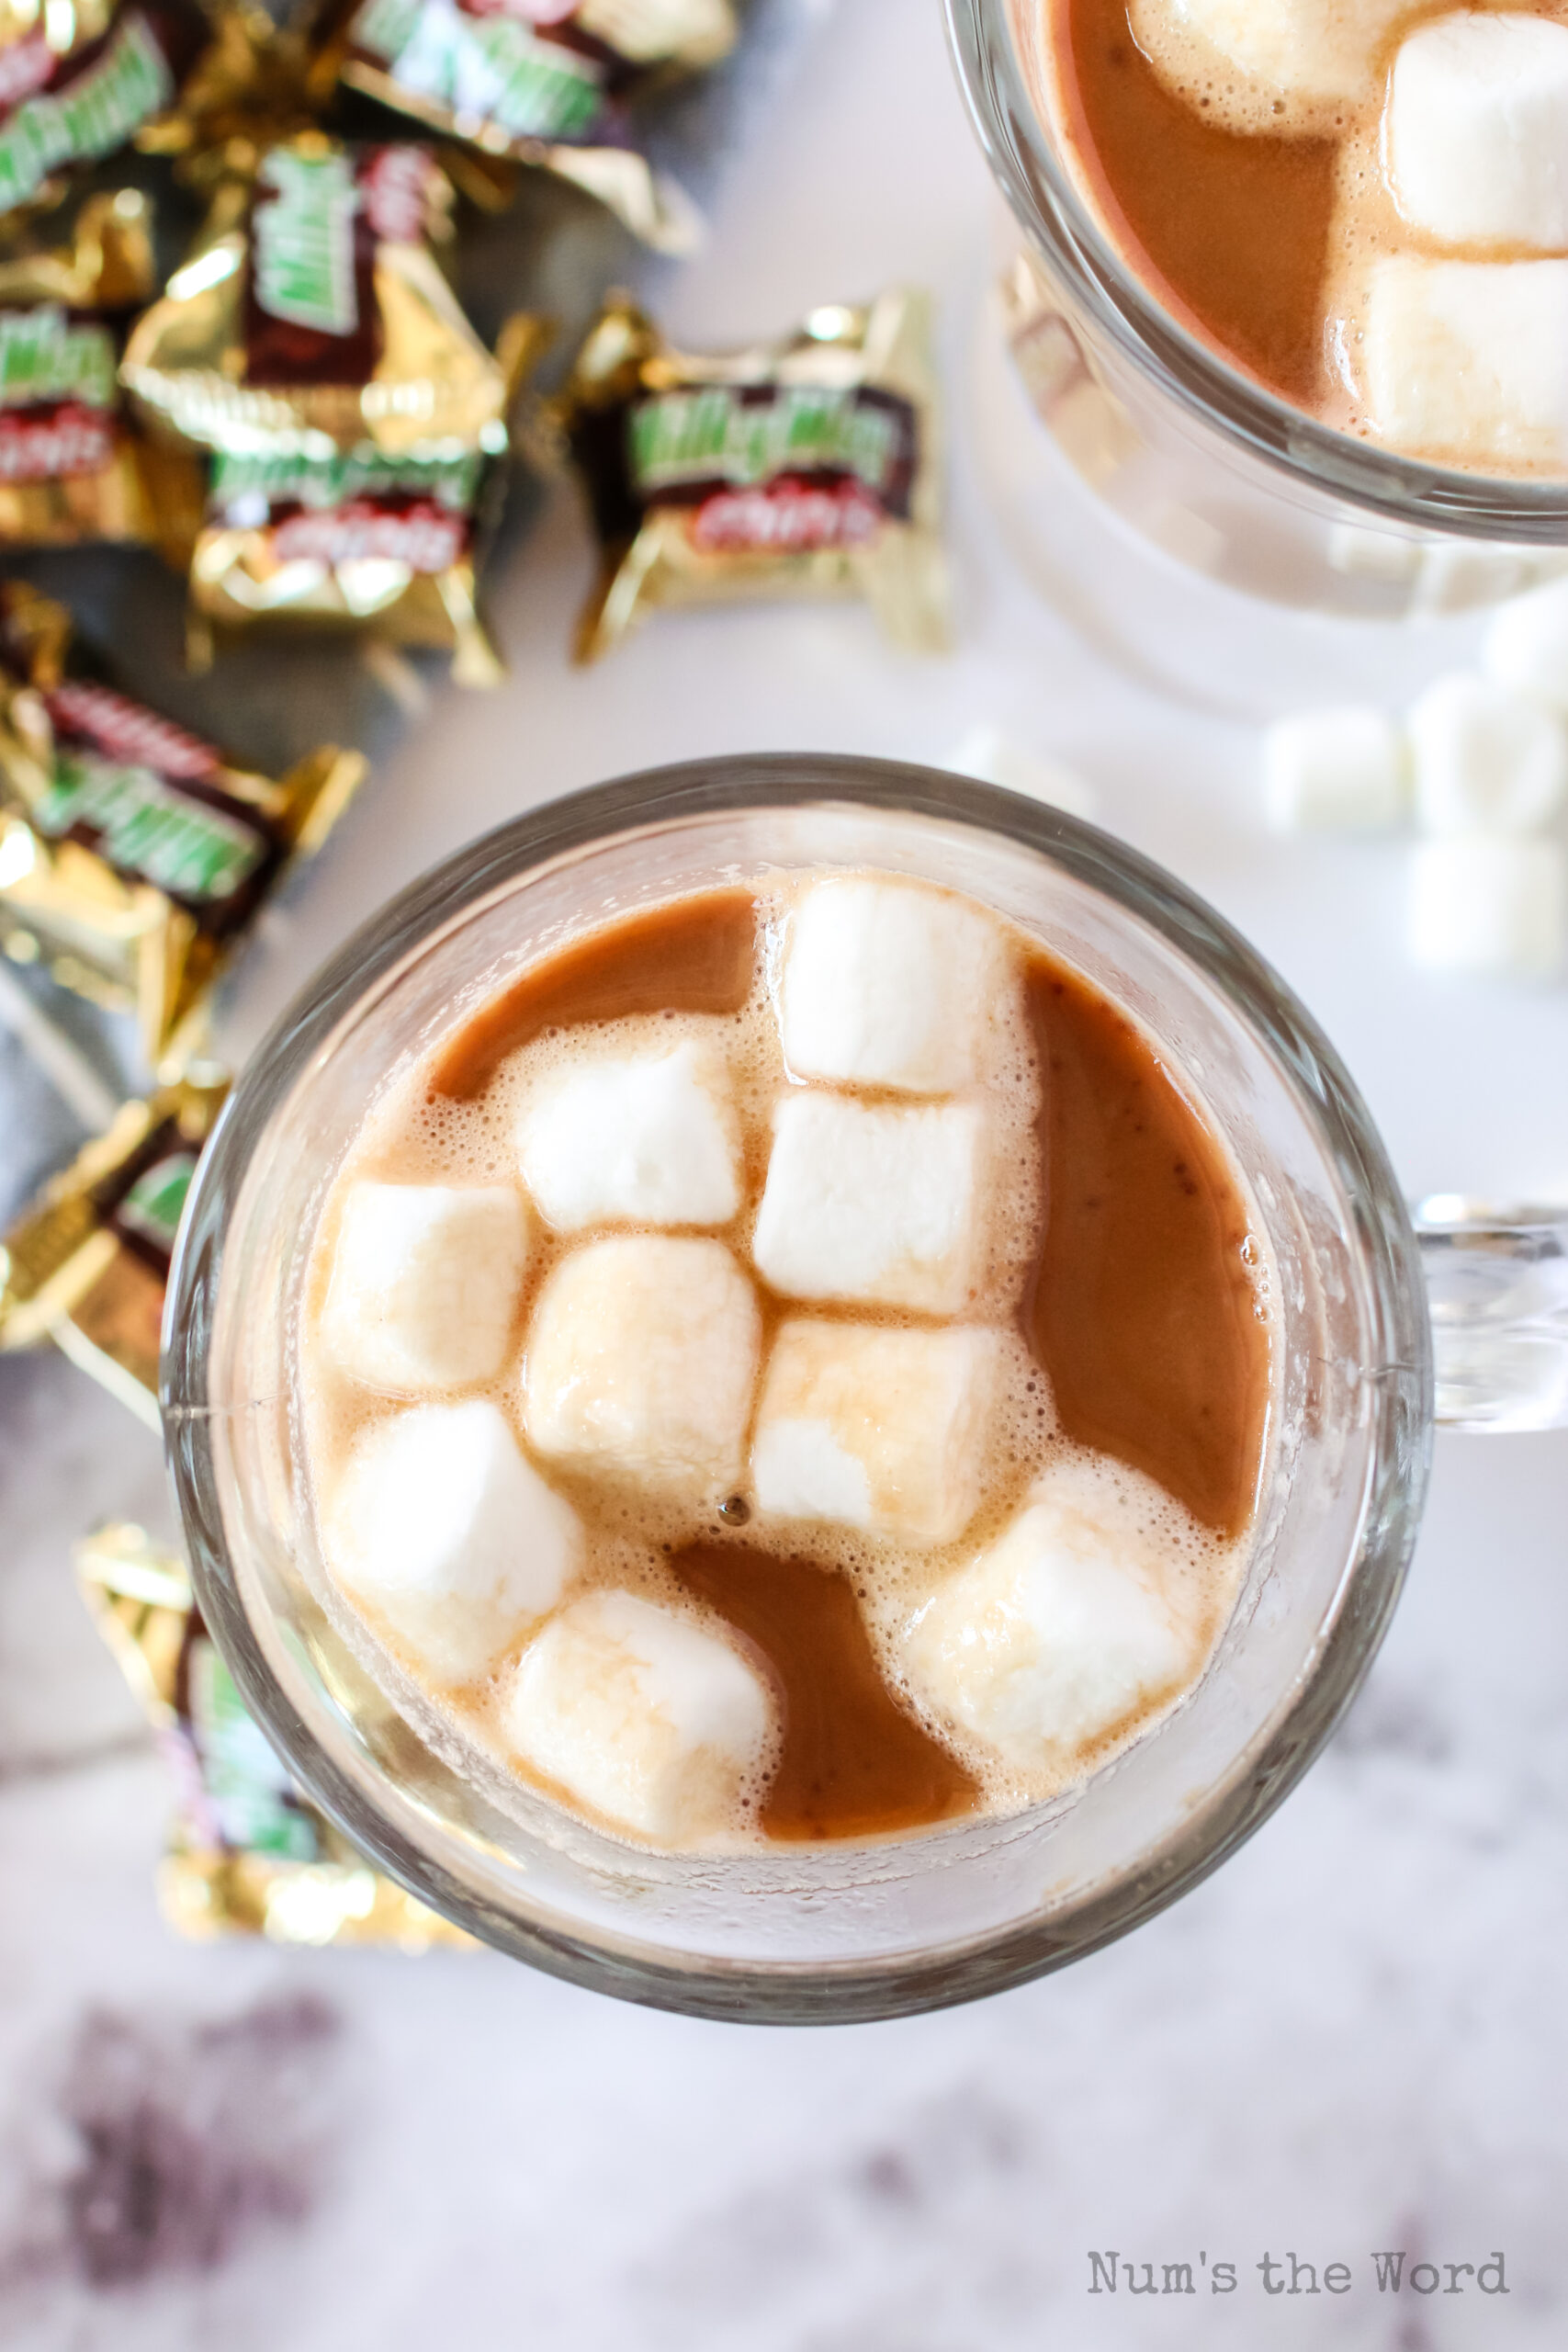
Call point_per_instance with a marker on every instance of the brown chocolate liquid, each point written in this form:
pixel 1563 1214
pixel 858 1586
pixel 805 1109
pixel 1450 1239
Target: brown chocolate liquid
pixel 694 956
pixel 1141 1311
pixel 1229 231
pixel 854 1764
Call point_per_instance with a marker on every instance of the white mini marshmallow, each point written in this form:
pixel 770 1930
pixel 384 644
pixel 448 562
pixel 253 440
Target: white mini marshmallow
pixel 865 1202
pixel 1489 906
pixel 424 1283
pixel 873 1427
pixel 1467 361
pixel 640 1716
pixel 646 1138
pixel 1485 760
pixel 640 1361
pixel 1527 645
pixel 888 984
pixel 446 1530
pixel 1295 49
pixel 1475 133
pixel 1339 769
pixel 1057 1635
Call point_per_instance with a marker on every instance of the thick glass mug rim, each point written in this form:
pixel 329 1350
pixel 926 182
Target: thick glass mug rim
pixel 1175 363
pixel 1399 1384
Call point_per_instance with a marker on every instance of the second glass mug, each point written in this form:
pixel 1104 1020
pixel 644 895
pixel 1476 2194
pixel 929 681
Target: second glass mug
pixel 819 1934
pixel 1195 455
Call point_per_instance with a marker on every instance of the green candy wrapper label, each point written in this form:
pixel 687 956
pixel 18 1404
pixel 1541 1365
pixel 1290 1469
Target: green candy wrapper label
pixel 720 433
pixel 146 828
pixel 96 114
pixel 304 241
pixel 492 67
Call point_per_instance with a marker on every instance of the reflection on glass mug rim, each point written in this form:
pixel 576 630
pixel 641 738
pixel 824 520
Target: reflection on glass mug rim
pixel 1224 454
pixel 845 1928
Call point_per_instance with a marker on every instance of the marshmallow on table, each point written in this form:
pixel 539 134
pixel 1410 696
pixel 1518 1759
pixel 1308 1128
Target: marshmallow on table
pixel 888 984
pixel 1488 906
pixel 1295 49
pixel 1341 769
pixel 441 1525
pixel 871 1202
pixel 1475 134
pixel 1527 645
pixel 1056 1636
pixel 1467 361
pixel 639 1715
pixel 648 1137
pixel 1485 760
pixel 873 1427
pixel 640 1360
pixel 424 1283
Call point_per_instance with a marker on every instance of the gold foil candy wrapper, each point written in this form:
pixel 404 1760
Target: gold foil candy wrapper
pixel 247 1853
pixel 88 1264
pixel 247 91
pixel 71 469
pixel 353 420
pixel 546 82
pixel 807 467
pixel 134 856
pixel 79 79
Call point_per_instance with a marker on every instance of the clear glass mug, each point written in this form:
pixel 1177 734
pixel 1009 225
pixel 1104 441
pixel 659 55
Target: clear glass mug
pixel 1197 457
pixel 795 1934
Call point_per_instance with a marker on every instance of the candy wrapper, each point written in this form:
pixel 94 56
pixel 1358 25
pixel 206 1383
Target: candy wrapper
pixel 247 1853
pixel 86 1266
pixel 548 81
pixel 355 421
pixel 133 856
pixel 71 468
pixel 79 79
pixel 806 466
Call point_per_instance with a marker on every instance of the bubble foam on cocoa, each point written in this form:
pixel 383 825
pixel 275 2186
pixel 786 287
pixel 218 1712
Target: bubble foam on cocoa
pixel 414 1135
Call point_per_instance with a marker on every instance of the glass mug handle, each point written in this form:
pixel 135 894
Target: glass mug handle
pixel 1497 1287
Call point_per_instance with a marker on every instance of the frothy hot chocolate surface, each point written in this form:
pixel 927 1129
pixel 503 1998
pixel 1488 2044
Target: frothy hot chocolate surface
pixel 793 1364
pixel 1361 203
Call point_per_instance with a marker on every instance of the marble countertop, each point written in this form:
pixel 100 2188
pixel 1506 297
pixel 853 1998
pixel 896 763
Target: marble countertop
pixel 1352 2041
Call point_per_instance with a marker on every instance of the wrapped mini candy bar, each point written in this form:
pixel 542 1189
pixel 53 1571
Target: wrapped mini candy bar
pixel 133 856
pixel 86 1266
pixel 545 81
pixel 313 345
pixel 806 466
pixel 247 1854
pixel 71 468
pixel 79 78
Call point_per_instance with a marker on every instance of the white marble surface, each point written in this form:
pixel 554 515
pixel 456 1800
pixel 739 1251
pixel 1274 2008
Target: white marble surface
pixel 1351 2040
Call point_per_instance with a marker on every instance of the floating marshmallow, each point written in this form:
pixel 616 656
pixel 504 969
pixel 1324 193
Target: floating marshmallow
pixel 995 758
pixel 873 1427
pixel 888 984
pixel 639 1715
pixel 650 1139
pixel 1475 133
pixel 640 1361
pixel 864 1203
pixel 1485 760
pixel 1333 770
pixel 424 1283
pixel 1058 1635
pixel 1294 49
pixel 1468 361
pixel 1527 645
pixel 1489 906
pixel 441 1525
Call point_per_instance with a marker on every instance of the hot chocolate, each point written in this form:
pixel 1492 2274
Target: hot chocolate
pixel 1360 203
pixel 791 1363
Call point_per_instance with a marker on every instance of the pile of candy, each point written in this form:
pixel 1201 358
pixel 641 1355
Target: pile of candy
pixel 229 335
